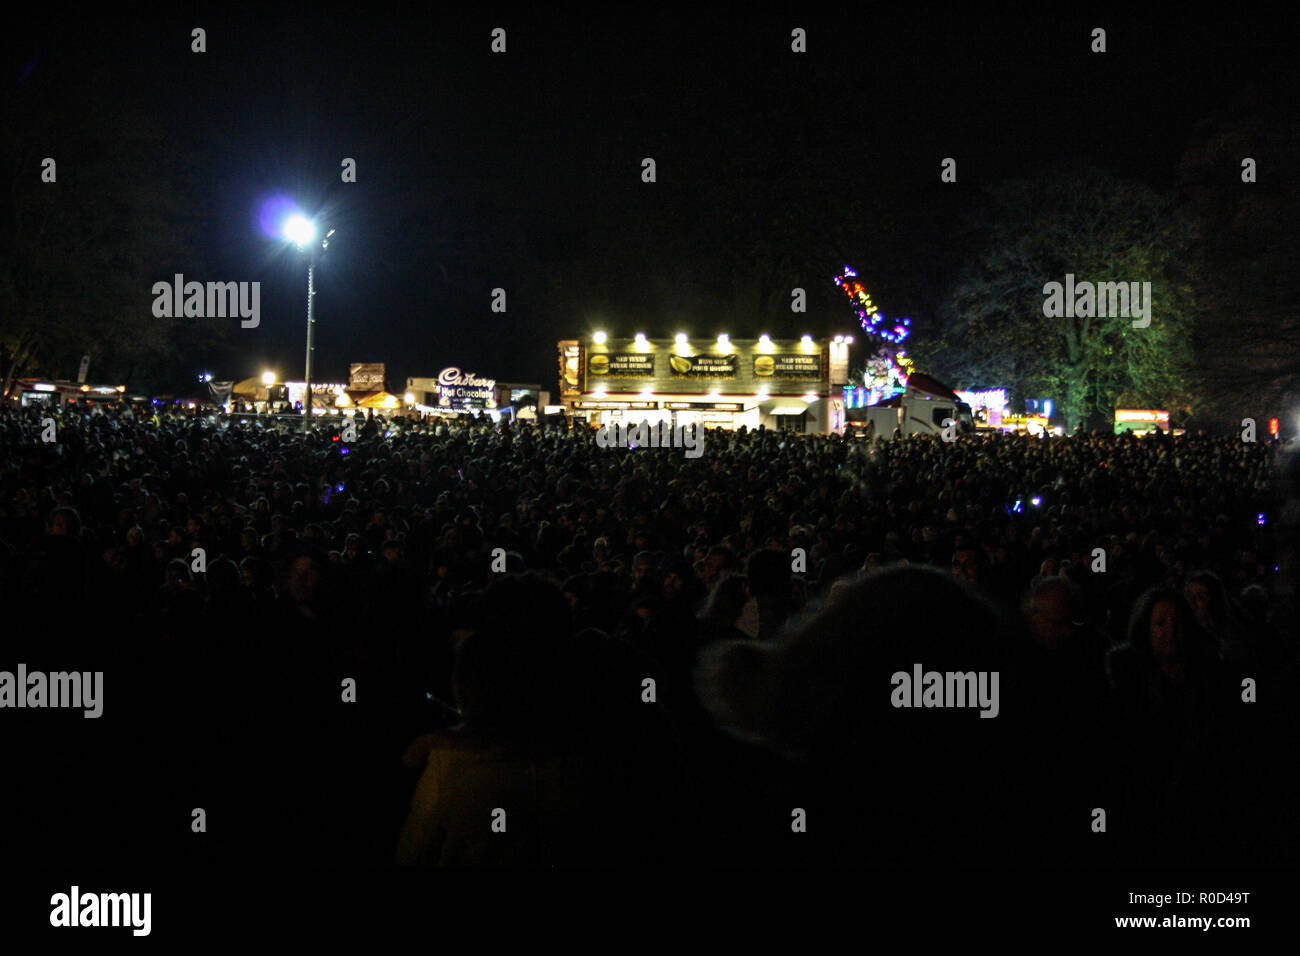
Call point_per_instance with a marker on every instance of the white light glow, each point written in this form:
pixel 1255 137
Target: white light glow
pixel 299 229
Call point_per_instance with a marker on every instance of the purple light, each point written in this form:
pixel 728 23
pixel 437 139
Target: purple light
pixel 273 213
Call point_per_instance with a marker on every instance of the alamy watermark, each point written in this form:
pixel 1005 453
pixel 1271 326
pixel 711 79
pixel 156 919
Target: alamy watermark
pixel 75 908
pixel 1100 299
pixel 946 689
pixel 663 434
pixel 75 689
pixel 213 300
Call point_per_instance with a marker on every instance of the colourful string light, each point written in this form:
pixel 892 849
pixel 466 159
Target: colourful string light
pixel 888 371
pixel 873 321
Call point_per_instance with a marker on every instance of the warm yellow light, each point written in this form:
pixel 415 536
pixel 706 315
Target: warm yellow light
pixel 681 338
pixel 268 378
pixel 599 338
pixel 410 398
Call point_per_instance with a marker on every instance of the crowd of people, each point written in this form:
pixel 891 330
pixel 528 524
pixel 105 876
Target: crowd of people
pixel 458 642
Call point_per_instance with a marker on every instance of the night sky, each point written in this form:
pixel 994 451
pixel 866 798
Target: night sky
pixel 522 170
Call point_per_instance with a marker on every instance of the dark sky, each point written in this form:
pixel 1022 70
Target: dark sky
pixel 478 170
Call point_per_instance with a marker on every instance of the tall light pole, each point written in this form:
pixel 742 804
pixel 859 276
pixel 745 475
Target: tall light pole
pixel 302 231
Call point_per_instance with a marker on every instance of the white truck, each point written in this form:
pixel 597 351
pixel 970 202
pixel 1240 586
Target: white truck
pixel 917 411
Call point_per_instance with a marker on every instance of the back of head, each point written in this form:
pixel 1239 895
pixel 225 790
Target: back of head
pixel 889 698
pixel 507 669
pixel 768 573
pixel 725 601
pixel 1052 609
pixel 829 673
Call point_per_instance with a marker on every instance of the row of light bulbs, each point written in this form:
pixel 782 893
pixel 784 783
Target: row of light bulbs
pixel 724 340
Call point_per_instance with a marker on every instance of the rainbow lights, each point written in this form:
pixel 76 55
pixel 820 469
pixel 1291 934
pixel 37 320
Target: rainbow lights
pixel 874 322
pixel 888 370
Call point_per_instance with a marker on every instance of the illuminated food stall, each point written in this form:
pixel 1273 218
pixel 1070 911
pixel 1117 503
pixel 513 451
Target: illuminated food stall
pixel 782 384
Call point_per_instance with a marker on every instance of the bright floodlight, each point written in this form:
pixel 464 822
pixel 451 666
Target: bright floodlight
pixel 268 378
pixel 599 338
pixel 299 229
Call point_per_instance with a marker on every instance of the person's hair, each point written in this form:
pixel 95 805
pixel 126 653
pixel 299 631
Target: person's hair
pixel 222 578
pixel 1139 624
pixel 1218 593
pixel 768 573
pixel 504 674
pixel 725 601
pixel 728 556
pixel 1044 585
pixel 74 519
pixel 1254 601
pixel 802 689
pixel 178 571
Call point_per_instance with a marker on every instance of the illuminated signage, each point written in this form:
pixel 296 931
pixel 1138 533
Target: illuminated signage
pixel 366 376
pixel 457 389
pixel 570 368
pixel 993 398
pixel 788 366
pixel 1141 419
pixel 1142 415
pixel 621 365
pixel 668 366
pixel 703 366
